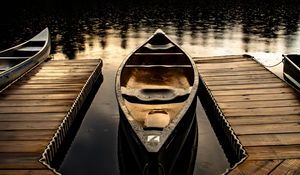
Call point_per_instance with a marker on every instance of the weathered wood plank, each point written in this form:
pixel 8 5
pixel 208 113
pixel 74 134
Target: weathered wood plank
pixel 74 63
pixel 40 86
pixel 240 82
pixel 270 139
pixel 259 97
pixel 253 86
pixel 34 109
pixel 234 72
pixel 286 110
pixel 273 152
pixel 27 135
pixel 248 120
pixel 232 69
pixel 290 166
pixel 30 125
pixel 60 74
pixel 47 81
pixel 258 104
pixel 32 117
pixel 91 60
pixel 266 128
pixel 239 77
pixel 255 167
pixel 44 70
pixel 27 172
pixel 218 59
pixel 256 91
pixel 45 90
pixel 23 146
pixel 39 97
pixel 56 78
pixel 13 161
pixel 228 65
pixel 15 103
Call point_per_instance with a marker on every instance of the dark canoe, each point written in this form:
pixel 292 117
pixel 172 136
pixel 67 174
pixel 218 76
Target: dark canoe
pixel 19 59
pixel 291 70
pixel 156 88
pixel 184 164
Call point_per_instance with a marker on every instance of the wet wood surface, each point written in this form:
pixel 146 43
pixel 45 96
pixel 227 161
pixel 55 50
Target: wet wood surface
pixel 262 110
pixel 32 109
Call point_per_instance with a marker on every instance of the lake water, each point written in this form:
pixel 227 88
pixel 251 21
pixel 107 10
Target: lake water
pixel 111 30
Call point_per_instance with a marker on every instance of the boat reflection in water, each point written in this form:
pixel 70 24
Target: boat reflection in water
pixel 291 70
pixel 134 159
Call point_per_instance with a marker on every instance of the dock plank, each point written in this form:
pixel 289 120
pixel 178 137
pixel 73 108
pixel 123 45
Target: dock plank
pixel 248 120
pixel 255 167
pixel 261 110
pixel 29 125
pixel 20 161
pixel 289 166
pixel 32 117
pixel 270 139
pixel 273 152
pixel 23 146
pixel 258 104
pixel 266 128
pixel 26 172
pixel 35 108
pixel 19 135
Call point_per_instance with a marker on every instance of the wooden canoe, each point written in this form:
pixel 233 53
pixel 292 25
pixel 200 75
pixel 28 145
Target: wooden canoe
pixel 291 70
pixel 156 89
pixel 19 59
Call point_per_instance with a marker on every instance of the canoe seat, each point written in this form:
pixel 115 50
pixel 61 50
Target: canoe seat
pixel 159 47
pixel 155 95
pixel 156 119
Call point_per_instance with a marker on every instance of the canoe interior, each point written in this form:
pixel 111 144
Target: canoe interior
pixel 26 50
pixel 295 59
pixel 5 64
pixel 156 84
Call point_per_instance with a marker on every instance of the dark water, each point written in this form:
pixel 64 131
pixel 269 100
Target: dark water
pixel 111 30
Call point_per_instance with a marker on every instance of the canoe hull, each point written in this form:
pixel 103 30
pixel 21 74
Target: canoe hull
pixel 291 71
pixel 156 89
pixel 20 65
pixel 181 147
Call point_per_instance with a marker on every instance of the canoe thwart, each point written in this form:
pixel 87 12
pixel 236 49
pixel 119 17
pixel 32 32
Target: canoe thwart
pixel 159 46
pixel 162 66
pixel 155 95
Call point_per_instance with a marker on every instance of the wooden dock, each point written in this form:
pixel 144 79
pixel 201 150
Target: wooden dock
pixel 38 109
pixel 258 113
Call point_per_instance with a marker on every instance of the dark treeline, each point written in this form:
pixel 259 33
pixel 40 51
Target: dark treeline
pixel 263 18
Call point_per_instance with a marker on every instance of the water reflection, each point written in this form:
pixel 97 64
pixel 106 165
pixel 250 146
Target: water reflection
pixel 243 27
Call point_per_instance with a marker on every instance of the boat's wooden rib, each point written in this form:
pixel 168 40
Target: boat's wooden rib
pixel 156 89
